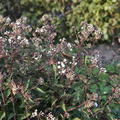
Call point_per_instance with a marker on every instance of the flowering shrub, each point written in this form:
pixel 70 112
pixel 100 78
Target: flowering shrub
pixel 43 80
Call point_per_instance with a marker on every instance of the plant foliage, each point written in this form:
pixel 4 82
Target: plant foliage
pixel 46 81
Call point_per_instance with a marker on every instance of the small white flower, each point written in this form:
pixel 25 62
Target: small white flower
pixel 37 30
pixel 69 45
pixel 65 60
pixel 19 37
pixel 59 66
pixel 58 62
pixel 49 52
pixel 96 104
pixel 63 71
pixel 18 23
pixel 9 40
pixel 73 57
pixel 62 64
pixel 62 40
pixel 8 20
pixel 82 28
pixel 75 63
pixel 36 58
pixel 41 30
pixel 26 41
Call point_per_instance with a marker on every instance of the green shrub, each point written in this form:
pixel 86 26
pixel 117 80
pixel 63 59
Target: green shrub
pixel 102 13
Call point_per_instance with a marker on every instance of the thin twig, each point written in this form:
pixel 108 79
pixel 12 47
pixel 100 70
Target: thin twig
pixel 13 104
pixel 3 99
pixel 74 108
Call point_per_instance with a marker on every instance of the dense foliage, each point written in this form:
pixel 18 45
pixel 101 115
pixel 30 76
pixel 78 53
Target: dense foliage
pixel 105 14
pixel 46 81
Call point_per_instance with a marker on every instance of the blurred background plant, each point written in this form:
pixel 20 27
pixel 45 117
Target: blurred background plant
pixel 105 14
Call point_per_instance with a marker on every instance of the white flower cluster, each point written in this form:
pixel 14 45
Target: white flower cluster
pixel 16 36
pixel 61 66
pixel 51 51
pixel 50 116
pixel 37 56
pixel 40 81
pixel 69 46
pixel 88 29
pixel 95 59
pixel 34 114
pixel 103 70
pixel 62 40
pixel 70 75
pixel 116 92
pixel 42 113
pixel 23 41
pixel 74 62
pixel 45 34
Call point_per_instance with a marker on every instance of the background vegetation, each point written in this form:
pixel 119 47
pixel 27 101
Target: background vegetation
pixel 105 14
